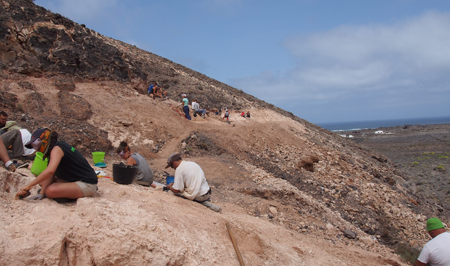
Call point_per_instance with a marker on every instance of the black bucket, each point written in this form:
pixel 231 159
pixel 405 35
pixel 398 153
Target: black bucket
pixel 124 174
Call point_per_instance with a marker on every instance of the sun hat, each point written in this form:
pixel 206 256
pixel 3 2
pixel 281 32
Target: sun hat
pixel 172 158
pixel 183 95
pixel 434 223
pixel 36 134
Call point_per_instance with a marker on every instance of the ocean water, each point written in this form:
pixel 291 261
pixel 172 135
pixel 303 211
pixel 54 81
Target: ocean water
pixel 347 126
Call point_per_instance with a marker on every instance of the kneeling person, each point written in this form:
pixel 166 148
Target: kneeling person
pixel 144 175
pixel 68 174
pixel 190 182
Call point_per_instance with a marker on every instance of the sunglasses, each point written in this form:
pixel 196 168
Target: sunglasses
pixel 121 154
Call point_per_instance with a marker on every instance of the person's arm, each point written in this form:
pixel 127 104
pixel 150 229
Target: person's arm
pixel 131 161
pixel 56 155
pixel 419 263
pixel 173 190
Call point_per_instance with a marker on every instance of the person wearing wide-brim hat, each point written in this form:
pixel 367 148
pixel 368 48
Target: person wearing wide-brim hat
pixel 436 252
pixel 68 174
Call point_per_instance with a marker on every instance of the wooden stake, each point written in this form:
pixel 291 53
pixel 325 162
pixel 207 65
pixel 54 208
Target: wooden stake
pixel 241 261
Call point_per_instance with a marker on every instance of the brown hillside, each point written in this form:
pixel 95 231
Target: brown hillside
pixel 288 188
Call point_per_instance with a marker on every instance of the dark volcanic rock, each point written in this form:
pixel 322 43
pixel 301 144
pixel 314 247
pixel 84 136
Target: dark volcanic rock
pixel 8 100
pixel 35 103
pixel 73 106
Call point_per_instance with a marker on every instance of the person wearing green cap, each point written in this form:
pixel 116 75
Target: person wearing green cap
pixel 437 251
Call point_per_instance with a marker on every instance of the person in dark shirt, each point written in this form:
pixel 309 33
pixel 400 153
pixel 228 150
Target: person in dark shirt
pixel 68 174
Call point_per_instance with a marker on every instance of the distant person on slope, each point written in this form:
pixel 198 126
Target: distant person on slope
pixel 185 103
pixel 190 182
pixel 248 114
pixel 68 174
pixel 150 90
pixel 144 175
pixel 196 108
pixel 158 92
pixel 227 114
pixel 437 251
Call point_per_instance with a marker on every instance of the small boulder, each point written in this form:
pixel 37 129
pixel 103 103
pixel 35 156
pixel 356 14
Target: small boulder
pixel 349 234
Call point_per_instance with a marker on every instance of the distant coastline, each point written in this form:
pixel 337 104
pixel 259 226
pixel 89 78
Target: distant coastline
pixel 358 125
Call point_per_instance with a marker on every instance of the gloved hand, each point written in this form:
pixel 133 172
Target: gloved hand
pixel 12 167
pixel 24 192
pixel 166 188
pixel 37 197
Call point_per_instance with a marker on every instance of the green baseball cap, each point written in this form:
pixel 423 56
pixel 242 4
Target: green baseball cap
pixel 434 223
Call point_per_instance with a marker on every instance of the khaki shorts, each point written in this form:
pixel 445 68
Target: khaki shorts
pixel 87 190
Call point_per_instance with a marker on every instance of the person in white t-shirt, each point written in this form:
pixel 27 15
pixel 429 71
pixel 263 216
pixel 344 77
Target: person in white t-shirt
pixel 436 252
pixel 196 108
pixel 17 139
pixel 190 182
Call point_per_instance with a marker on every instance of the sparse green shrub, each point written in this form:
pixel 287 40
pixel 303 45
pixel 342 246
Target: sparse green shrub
pixel 442 156
pixel 19 107
pixel 415 163
pixel 189 149
pixel 428 153
pixel 441 167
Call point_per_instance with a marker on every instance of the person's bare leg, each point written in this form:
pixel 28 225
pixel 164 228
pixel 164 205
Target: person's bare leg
pixel 63 190
pixel 3 153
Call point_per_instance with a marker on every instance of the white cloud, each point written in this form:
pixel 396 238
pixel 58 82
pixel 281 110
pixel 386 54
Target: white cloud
pixel 407 58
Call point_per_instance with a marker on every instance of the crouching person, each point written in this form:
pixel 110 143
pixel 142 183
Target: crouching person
pixel 68 174
pixel 190 182
pixel 144 175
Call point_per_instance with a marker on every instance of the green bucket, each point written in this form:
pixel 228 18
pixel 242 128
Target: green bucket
pixel 98 156
pixel 39 165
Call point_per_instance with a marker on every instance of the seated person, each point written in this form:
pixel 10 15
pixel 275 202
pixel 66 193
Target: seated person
pixel 158 92
pixel 68 174
pixel 5 158
pixel 15 141
pixel 196 108
pixel 248 114
pixel 144 175
pixel 5 125
pixel 3 119
pixel 150 89
pixel 243 114
pixel 190 182
pixel 163 92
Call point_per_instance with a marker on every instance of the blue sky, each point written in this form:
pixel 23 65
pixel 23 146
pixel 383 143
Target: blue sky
pixel 323 60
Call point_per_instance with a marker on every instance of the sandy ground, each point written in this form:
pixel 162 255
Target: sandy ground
pixel 274 222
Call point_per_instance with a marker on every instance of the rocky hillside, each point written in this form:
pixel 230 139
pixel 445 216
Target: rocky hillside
pixel 294 193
